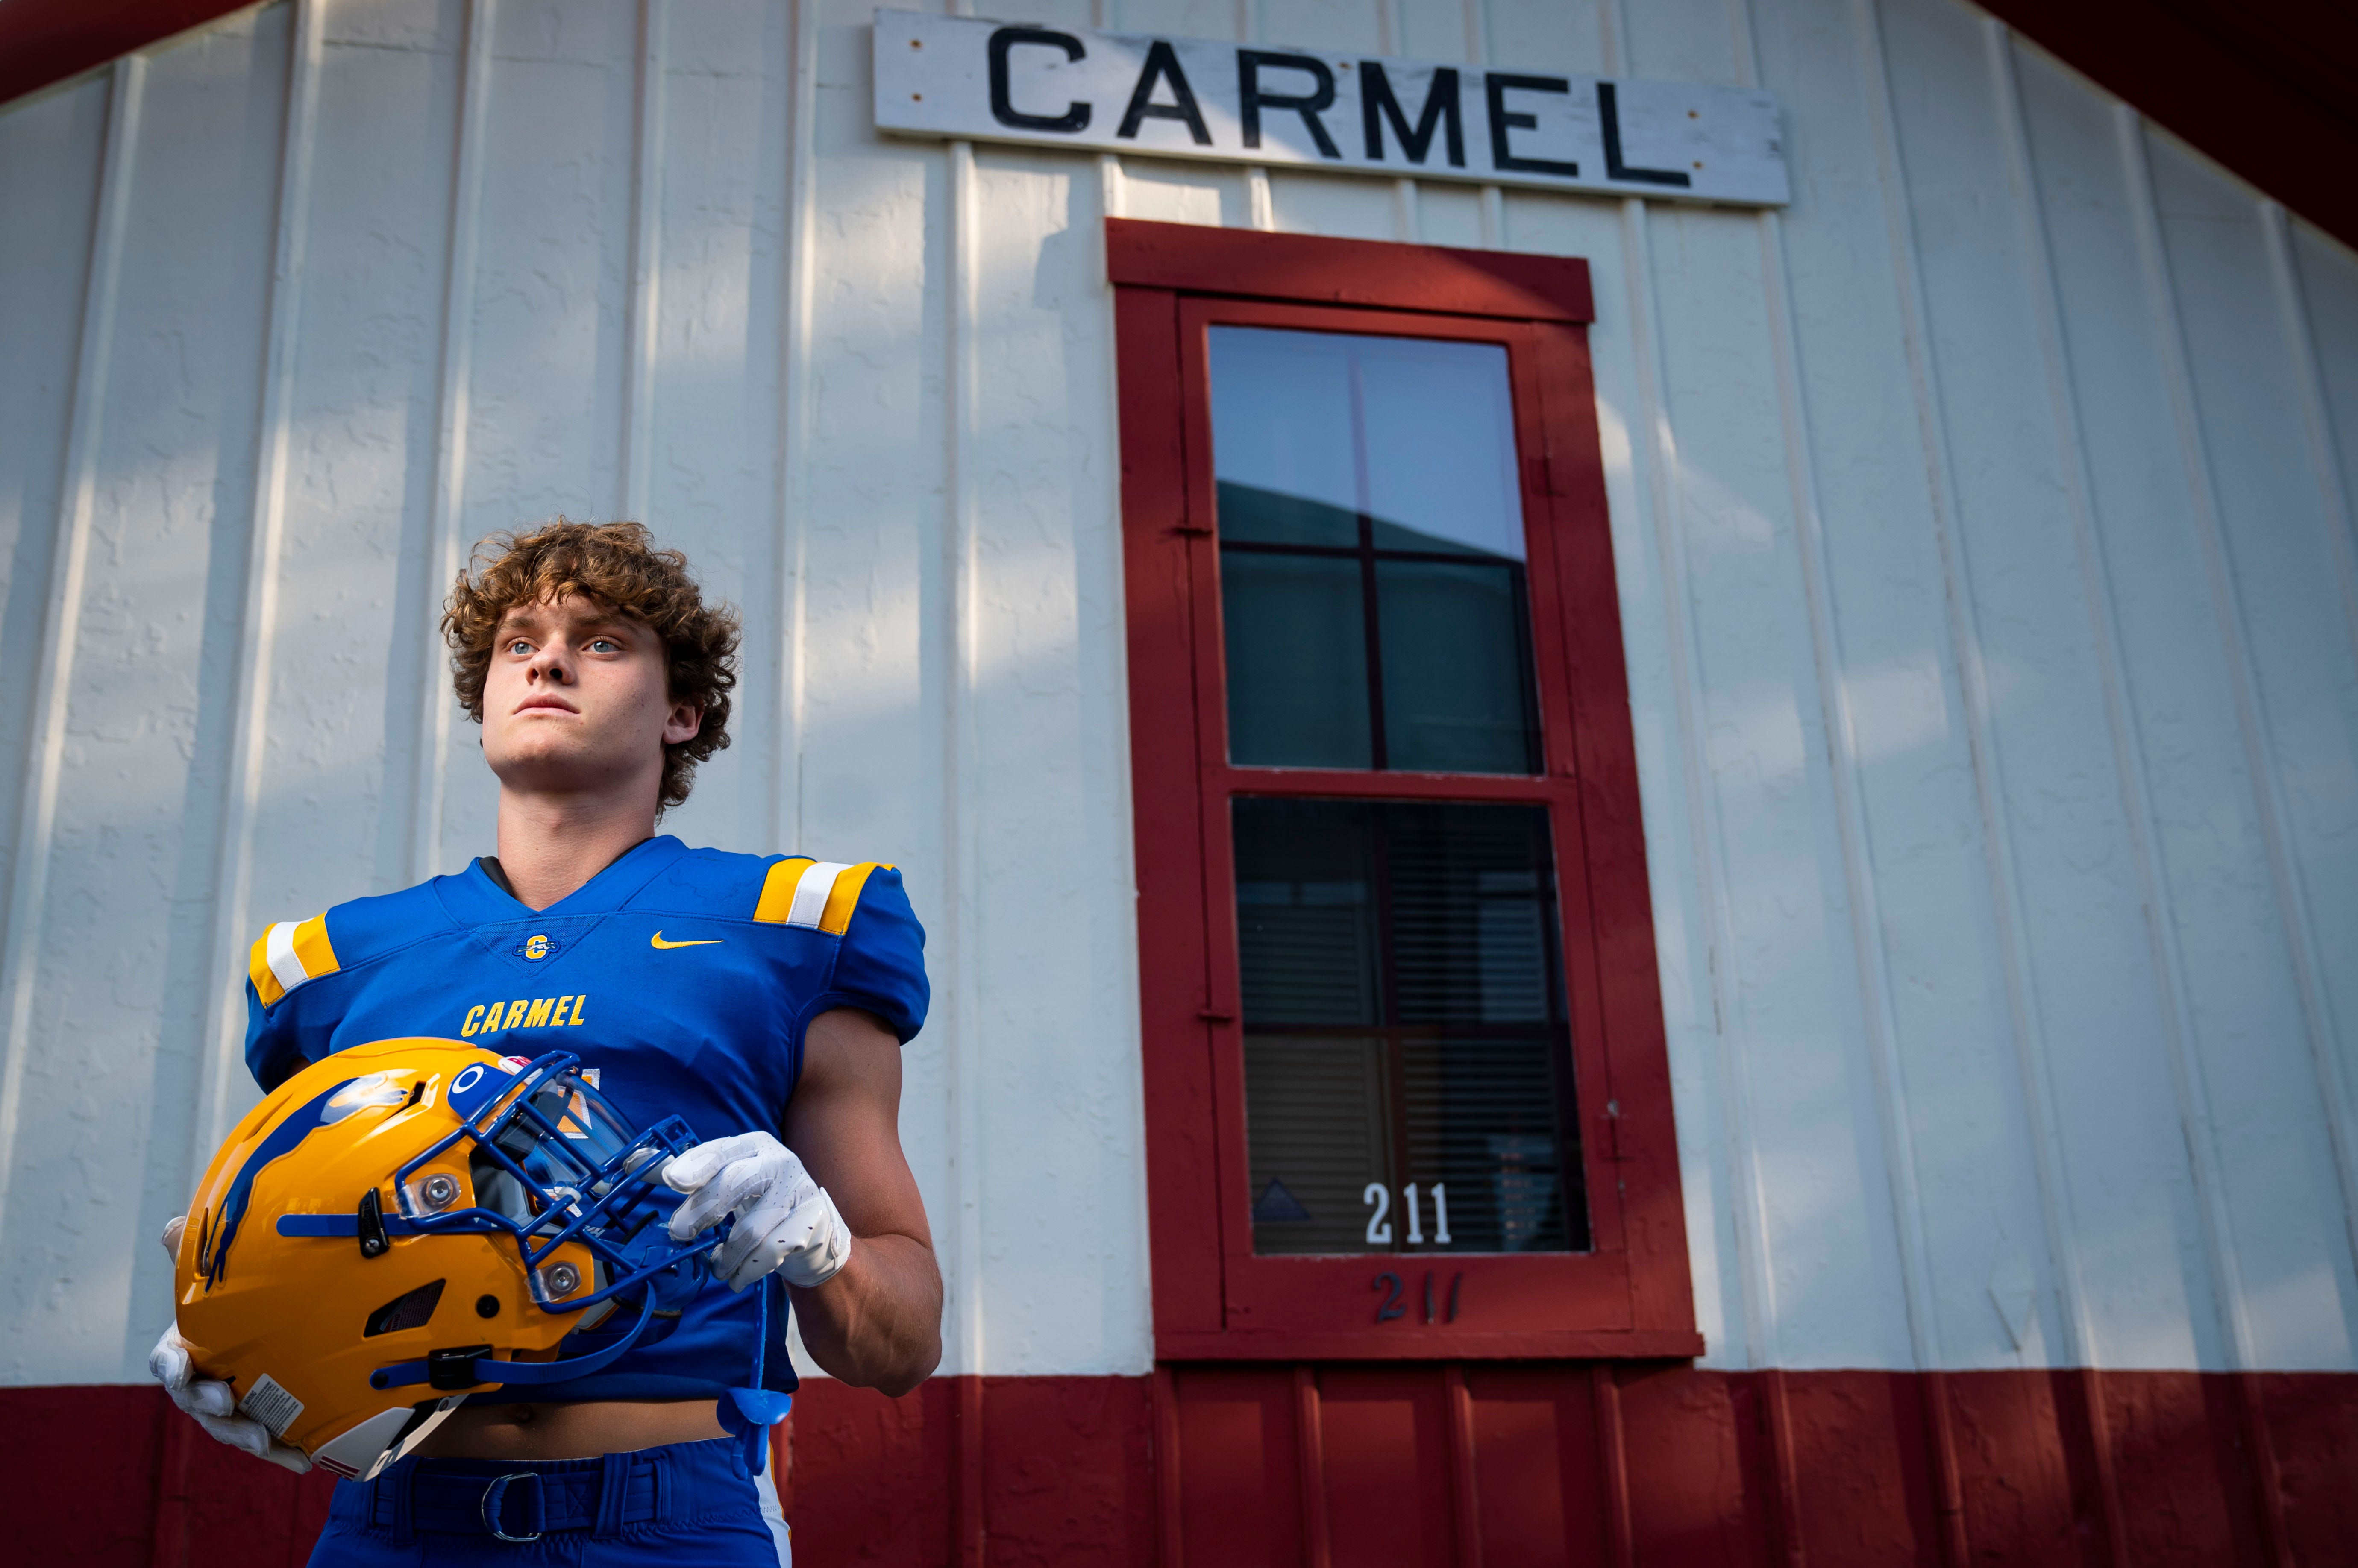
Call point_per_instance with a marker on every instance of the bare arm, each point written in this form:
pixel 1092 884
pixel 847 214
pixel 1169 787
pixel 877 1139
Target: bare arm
pixel 877 1322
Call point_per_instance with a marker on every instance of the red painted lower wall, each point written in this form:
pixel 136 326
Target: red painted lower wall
pixel 1529 1464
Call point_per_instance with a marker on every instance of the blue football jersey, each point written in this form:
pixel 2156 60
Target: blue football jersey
pixel 682 977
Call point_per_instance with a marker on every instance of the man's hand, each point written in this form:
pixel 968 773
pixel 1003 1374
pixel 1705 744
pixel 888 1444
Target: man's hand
pixel 212 1404
pixel 785 1222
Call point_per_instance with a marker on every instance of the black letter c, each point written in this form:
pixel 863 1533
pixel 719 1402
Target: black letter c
pixel 1076 116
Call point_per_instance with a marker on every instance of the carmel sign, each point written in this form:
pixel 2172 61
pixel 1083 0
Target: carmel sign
pixel 1050 86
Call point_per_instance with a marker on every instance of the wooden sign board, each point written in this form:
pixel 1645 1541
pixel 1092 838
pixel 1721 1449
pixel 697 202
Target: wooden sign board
pixel 1048 86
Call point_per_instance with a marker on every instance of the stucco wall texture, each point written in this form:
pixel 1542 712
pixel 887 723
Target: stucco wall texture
pixel 1984 542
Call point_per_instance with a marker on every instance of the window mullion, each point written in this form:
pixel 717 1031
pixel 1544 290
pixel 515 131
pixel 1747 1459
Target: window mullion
pixel 1378 743
pixel 1389 1017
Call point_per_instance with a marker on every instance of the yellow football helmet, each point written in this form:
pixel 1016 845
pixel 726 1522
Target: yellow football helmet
pixel 423 1217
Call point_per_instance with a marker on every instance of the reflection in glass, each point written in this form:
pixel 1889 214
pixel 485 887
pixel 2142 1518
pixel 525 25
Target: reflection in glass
pixel 1390 462
pixel 1300 623
pixel 1404 1025
pixel 1456 696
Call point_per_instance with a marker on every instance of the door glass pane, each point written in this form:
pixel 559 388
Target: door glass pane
pixel 1282 433
pixel 1392 461
pixel 1457 696
pixel 1440 437
pixel 1299 622
pixel 1407 1082
pixel 1321 1115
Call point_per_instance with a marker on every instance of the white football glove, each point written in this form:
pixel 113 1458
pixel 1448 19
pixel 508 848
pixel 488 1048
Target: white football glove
pixel 785 1222
pixel 212 1404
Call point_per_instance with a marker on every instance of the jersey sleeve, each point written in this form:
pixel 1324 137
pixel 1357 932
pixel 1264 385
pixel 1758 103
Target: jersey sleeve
pixel 284 959
pixel 881 965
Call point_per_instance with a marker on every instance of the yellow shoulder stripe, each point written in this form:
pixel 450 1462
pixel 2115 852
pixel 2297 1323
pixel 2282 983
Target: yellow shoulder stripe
pixel 835 918
pixel 289 954
pixel 819 895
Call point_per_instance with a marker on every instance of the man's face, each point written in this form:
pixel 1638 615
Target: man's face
pixel 575 700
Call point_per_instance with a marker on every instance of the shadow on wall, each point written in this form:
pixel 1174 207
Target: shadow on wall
pixel 1066 1471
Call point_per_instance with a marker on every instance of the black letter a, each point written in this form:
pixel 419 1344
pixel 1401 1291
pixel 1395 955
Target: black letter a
pixel 1163 65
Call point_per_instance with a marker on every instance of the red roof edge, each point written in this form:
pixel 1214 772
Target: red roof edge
pixel 2267 111
pixel 2287 124
pixel 46 41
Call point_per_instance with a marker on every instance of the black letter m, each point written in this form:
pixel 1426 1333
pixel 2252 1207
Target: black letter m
pixel 1377 104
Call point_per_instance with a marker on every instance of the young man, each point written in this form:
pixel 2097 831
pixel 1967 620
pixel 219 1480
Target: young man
pixel 749 994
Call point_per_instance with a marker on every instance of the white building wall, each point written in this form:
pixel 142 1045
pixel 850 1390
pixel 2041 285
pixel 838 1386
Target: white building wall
pixel 1984 549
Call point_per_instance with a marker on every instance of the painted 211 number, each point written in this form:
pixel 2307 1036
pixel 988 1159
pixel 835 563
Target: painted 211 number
pixel 1380 1225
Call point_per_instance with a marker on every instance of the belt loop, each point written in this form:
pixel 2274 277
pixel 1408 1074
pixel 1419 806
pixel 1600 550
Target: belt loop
pixel 393 1486
pixel 495 1506
pixel 662 1477
pixel 614 1491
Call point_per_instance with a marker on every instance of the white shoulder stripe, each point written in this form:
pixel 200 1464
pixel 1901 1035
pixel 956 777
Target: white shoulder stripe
pixel 280 954
pixel 810 893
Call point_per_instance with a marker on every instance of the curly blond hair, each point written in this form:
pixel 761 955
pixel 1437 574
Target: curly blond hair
pixel 618 566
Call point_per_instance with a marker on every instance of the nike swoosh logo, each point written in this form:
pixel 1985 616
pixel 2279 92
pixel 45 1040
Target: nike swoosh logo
pixel 658 940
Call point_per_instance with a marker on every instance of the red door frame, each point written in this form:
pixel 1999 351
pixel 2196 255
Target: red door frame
pixel 1213 1297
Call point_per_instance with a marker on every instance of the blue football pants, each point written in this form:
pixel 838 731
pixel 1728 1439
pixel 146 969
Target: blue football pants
pixel 657 1508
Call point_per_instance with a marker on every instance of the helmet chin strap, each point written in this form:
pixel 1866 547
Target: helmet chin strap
pixel 747 1414
pixel 465 1368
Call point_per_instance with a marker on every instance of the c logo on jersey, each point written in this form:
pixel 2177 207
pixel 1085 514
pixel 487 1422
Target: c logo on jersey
pixel 537 947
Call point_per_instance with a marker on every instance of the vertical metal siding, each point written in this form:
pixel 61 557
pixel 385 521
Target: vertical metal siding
pixel 1986 550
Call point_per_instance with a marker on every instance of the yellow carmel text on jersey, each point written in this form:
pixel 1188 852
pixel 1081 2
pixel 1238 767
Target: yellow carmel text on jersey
pixel 524 1013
